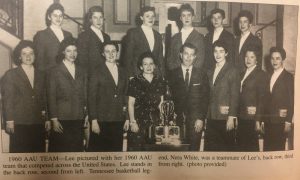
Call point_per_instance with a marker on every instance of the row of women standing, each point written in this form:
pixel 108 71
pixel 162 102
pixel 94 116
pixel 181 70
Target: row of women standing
pixel 68 87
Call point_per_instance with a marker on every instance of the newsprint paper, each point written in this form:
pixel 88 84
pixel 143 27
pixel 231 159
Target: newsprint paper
pixel 273 23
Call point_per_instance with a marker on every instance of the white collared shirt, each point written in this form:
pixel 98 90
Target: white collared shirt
pixel 113 69
pixel 58 32
pixel 274 77
pixel 29 71
pixel 217 34
pixel 184 68
pixel 148 31
pixel 185 32
pixel 243 39
pixel 218 68
pixel 98 32
pixel 71 67
pixel 248 71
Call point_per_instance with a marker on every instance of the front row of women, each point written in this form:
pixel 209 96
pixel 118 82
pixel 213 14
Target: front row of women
pixel 63 110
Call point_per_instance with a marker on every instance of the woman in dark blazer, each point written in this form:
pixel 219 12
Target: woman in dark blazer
pixel 138 43
pixel 47 41
pixel 24 104
pixel 252 102
pixel 107 102
pixel 90 42
pixel 67 100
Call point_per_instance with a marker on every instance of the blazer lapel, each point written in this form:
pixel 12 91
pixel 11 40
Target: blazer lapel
pixel 67 73
pixel 144 39
pixel 109 75
pixel 221 73
pixel 278 80
pixel 246 42
pixel 24 77
pixel 193 77
pixel 250 76
pixel 52 34
pixel 190 37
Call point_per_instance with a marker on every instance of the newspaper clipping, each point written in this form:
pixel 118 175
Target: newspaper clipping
pixel 149 89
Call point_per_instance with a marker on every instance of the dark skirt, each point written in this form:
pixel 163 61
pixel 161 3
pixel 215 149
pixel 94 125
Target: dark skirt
pixel 71 140
pixel 274 137
pixel 110 138
pixel 217 138
pixel 247 137
pixel 27 138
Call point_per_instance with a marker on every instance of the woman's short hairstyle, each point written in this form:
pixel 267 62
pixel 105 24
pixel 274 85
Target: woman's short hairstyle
pixel 89 14
pixel 220 43
pixel 247 14
pixel 110 43
pixel 68 41
pixel 217 10
pixel 51 8
pixel 280 50
pixel 186 7
pixel 253 49
pixel 143 56
pixel 17 51
pixel 146 9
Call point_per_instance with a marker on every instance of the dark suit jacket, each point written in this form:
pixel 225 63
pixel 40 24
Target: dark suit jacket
pixel 224 92
pixel 251 41
pixel 46 48
pixel 22 103
pixel 282 97
pixel 66 96
pixel 106 99
pixel 254 91
pixel 193 102
pixel 136 45
pixel 173 57
pixel 225 36
pixel 90 49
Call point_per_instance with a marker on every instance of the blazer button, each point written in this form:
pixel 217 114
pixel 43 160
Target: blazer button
pixel 115 96
pixel 32 97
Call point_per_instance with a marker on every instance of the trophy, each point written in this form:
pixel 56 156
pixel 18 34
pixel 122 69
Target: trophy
pixel 167 132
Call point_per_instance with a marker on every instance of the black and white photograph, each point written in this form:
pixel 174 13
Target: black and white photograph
pixel 147 75
pixel 149 89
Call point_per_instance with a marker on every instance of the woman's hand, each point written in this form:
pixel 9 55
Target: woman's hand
pixel 134 126
pixel 10 127
pixel 95 127
pixel 47 126
pixel 57 127
pixel 126 125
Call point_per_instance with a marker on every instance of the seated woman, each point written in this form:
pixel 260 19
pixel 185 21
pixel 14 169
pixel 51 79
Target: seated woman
pixel 24 104
pixel 252 102
pixel 67 100
pixel 145 93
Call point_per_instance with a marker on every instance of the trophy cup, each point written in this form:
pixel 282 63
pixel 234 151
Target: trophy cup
pixel 167 132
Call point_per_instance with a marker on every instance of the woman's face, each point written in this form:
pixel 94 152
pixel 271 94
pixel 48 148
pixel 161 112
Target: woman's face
pixel 148 18
pixel 220 54
pixel 110 53
pixel 56 17
pixel 27 56
pixel 276 60
pixel 70 53
pixel 250 59
pixel 97 20
pixel 186 18
pixel 148 65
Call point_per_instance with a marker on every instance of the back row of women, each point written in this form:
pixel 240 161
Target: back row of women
pixel 216 77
